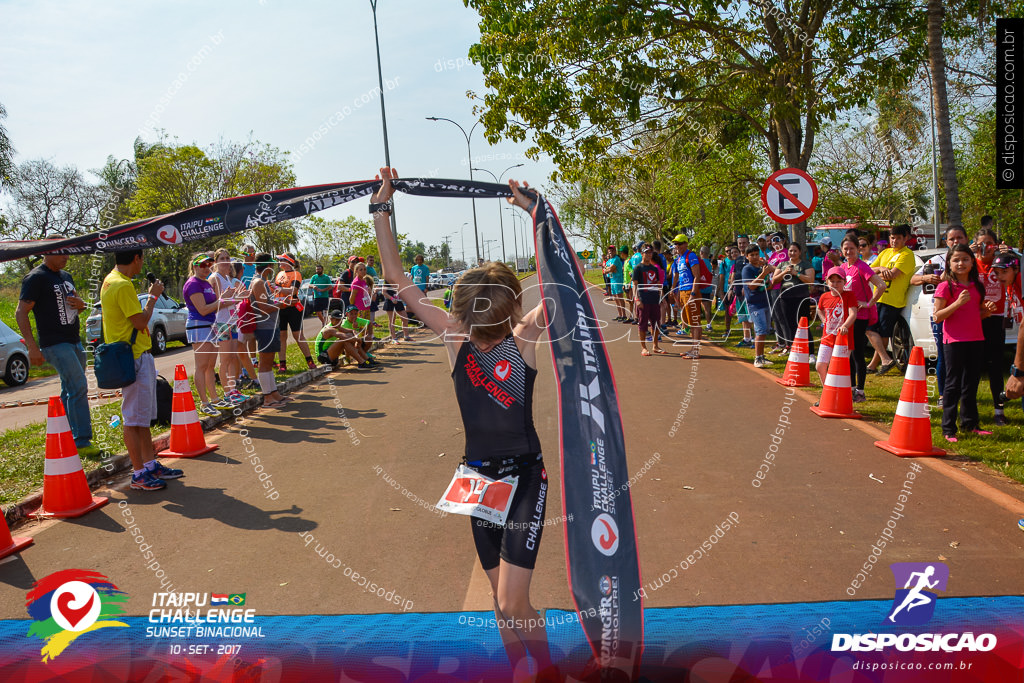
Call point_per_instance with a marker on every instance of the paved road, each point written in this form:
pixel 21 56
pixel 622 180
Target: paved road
pixel 702 430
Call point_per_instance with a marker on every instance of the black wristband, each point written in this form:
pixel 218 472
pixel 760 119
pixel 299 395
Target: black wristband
pixel 1015 371
pixel 383 206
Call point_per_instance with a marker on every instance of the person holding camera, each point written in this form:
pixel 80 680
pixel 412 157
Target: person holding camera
pixel 985 249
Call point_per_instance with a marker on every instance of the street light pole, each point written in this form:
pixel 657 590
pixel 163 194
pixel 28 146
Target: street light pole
pixel 462 238
pixel 383 116
pixel 469 152
pixel 501 219
pixel 515 241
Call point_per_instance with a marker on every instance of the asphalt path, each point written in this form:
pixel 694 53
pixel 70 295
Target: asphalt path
pixel 350 461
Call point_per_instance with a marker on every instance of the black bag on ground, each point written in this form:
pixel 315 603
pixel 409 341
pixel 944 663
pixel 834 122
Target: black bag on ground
pixel 164 401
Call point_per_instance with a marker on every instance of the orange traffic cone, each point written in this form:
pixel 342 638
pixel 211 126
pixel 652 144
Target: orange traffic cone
pixel 187 439
pixel 65 490
pixel 837 394
pixel 798 367
pixel 912 426
pixel 10 545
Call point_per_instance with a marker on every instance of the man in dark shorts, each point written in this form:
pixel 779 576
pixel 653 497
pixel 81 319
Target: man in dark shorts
pixel 647 283
pixel 321 285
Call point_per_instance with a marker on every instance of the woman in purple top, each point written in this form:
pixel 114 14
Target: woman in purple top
pixel 859 278
pixel 202 304
pixel 960 306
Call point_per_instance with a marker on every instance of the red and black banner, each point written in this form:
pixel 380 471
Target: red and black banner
pixel 226 216
pixel 601 550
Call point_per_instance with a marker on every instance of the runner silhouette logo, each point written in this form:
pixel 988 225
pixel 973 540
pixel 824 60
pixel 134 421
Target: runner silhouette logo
pixel 916 587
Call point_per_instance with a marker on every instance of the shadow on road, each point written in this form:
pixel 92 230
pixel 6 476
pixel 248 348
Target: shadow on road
pixel 16 573
pixel 197 503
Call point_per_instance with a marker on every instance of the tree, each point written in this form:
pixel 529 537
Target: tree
pixel 937 69
pixel 333 239
pixel 6 154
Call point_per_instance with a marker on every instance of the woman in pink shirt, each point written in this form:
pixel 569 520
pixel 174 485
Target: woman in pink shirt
pixel 960 306
pixel 362 289
pixel 859 279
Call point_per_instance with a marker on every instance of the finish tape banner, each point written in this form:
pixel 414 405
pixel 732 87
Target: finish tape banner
pixel 226 216
pixel 601 550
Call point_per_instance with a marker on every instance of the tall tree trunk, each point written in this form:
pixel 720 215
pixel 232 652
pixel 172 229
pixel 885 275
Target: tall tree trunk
pixel 937 62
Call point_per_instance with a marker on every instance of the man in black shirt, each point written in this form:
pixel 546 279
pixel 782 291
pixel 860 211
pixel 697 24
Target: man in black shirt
pixel 647 281
pixel 49 292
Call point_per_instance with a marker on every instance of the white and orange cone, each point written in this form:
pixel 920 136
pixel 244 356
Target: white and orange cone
pixel 798 367
pixel 837 394
pixel 186 440
pixel 911 433
pixel 65 489
pixel 9 545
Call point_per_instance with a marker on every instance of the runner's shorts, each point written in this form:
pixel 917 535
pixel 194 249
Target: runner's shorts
pixel 290 317
pixel 649 315
pixel 518 541
pixel 390 305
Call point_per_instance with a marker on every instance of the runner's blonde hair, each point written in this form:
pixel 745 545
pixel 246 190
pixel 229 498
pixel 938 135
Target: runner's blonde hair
pixel 488 301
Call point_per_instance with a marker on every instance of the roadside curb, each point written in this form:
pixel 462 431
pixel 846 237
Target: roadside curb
pixel 25 508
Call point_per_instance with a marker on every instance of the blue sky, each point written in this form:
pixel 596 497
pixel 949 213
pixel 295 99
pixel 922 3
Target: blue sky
pixel 82 80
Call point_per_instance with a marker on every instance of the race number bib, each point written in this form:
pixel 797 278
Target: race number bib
pixel 471 493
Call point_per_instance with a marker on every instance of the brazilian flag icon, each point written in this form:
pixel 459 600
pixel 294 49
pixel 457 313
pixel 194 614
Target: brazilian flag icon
pixel 237 599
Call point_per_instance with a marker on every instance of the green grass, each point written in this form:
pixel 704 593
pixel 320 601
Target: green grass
pixel 1001 451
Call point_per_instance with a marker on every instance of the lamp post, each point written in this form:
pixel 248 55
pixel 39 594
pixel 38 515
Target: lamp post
pixel 462 238
pixel 445 240
pixel 383 117
pixel 501 220
pixel 469 152
pixel 515 240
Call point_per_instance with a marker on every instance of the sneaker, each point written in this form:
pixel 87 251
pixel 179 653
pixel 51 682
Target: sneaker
pixel 680 333
pixel 649 338
pixel 950 438
pixel 236 397
pixel 222 404
pixel 208 409
pixel 310 365
pixel 147 482
pixel 811 359
pixel 761 362
pixel 886 367
pixel 373 363
pixel 282 367
pixel 859 396
pixel 981 432
pixel 162 472
pixel 708 327
pixel 365 365
pixel 1000 420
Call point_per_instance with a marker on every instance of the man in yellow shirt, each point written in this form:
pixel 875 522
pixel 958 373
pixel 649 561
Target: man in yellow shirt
pixel 123 315
pixel 895 265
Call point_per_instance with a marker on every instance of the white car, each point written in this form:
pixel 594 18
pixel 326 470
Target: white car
pixel 166 324
pixel 13 357
pixel 915 329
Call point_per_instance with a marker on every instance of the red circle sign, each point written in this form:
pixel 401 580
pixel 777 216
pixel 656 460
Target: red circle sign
pixel 789 196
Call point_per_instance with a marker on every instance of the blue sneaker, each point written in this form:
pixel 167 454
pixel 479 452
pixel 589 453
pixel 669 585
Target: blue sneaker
pixel 163 472
pixel 147 482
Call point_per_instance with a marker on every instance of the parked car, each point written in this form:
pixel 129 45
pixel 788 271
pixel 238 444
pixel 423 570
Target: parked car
pixel 915 328
pixel 165 325
pixel 13 357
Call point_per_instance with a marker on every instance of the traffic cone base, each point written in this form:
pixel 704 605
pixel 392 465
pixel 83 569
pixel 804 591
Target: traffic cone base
pixel 837 394
pixel 186 440
pixel 65 489
pixel 798 366
pixel 911 433
pixel 9 545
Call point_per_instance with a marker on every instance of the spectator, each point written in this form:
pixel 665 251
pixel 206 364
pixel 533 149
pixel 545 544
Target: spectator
pixel 762 246
pixel 343 288
pixel 48 291
pixel 226 332
pixel 419 273
pixel 629 265
pixel 685 274
pixel 707 286
pixel 124 319
pixel 362 286
pixel 332 341
pixel 392 305
pixel 727 302
pixel 664 305
pixel 866 245
pixel 984 249
pixel 202 304
pixel 375 296
pixel 290 315
pixel 358 326
pixel 930 276
pixel 627 291
pixel 794 299
pixel 249 267
pixel 895 265
pixel 613 269
pixel 960 305
pixel 837 310
pixel 263 301
pixel 321 285
pixel 859 279
pixel 607 280
pixel 1008 266
pixel 246 344
pixel 739 292
pixel 647 283
pixel 755 294
pixel 778 256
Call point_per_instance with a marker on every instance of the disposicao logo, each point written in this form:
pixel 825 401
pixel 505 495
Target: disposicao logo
pixel 914 604
pixel 69 603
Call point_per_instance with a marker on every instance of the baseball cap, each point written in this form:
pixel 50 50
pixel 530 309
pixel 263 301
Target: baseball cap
pixel 1005 259
pixel 826 241
pixel 834 270
pixel 351 308
pixel 779 235
pixel 681 237
pixel 287 258
pixel 762 237
pixel 336 313
pixel 354 259
pixel 646 249
pixel 201 259
pixel 638 246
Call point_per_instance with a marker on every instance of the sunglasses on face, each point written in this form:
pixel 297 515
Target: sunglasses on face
pixel 862 244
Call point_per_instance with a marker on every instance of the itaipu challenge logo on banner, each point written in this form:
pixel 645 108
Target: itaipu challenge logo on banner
pixel 71 603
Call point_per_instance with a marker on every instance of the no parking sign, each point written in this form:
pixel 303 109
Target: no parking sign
pixel 789 196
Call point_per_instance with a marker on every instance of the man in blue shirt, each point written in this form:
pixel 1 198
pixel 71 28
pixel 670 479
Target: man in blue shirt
pixel 420 274
pixel 685 272
pixel 754 274
pixel 249 264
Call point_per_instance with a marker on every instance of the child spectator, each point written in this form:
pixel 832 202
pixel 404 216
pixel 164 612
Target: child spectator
pixel 837 310
pixel 754 274
pixel 960 306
